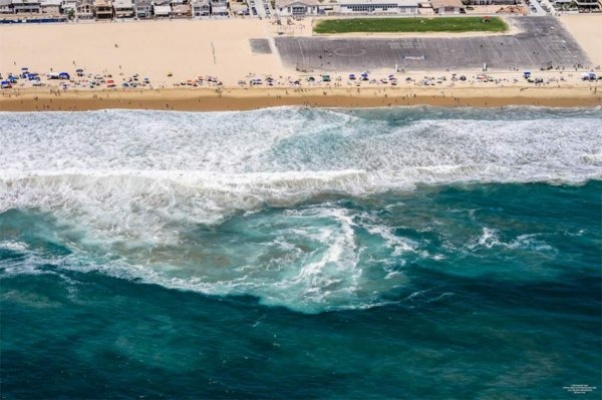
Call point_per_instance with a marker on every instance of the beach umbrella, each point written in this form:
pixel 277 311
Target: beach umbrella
pixel 110 81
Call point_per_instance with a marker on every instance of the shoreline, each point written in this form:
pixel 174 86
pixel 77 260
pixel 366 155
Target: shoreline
pixel 238 99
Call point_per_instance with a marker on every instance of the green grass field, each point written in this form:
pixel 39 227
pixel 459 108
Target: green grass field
pixel 455 24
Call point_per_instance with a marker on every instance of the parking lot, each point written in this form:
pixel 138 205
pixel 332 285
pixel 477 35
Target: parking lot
pixel 542 42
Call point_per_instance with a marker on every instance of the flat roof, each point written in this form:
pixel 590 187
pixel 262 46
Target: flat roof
pixel 447 3
pixel 287 3
pixel 399 3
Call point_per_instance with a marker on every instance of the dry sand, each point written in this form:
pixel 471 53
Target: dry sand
pixel 587 30
pixel 187 48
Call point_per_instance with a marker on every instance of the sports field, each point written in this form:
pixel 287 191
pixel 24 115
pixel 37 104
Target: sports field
pixel 437 24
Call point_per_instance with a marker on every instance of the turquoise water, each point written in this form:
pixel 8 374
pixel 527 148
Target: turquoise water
pixel 301 253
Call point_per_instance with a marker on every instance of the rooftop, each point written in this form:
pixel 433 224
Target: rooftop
pixel 26 1
pixel 123 3
pixel 286 3
pixel 405 3
pixel 447 3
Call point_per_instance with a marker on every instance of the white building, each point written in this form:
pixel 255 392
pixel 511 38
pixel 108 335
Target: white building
pixel 447 7
pixel 52 7
pixel 123 8
pixel 84 9
pixel 161 9
pixel 69 5
pixel 377 7
pixel 287 8
pixel 493 2
pixel 6 7
pixel 26 6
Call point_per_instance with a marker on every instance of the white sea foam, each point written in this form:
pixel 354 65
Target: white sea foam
pixel 145 168
pixel 133 181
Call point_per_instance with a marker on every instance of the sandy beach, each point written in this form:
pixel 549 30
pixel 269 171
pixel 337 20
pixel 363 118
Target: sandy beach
pixel 172 54
pixel 586 29
pixel 246 99
pixel 184 48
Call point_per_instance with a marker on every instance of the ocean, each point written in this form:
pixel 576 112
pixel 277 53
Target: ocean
pixel 300 253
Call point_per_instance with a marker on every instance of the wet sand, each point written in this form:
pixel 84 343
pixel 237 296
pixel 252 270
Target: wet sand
pixel 247 99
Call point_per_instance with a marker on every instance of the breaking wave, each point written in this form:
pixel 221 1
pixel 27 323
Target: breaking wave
pixel 153 195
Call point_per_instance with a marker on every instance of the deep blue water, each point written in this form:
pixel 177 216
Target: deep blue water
pixel 299 253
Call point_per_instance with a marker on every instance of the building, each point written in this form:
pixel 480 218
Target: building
pixel 162 9
pixel 102 9
pixel 123 8
pixel 68 5
pixel 377 7
pixel 219 7
pixel 143 9
pixel 588 4
pixel 493 2
pixel 26 6
pixel 180 9
pixel 52 7
pixel 6 7
pixel 447 7
pixel 287 8
pixel 84 9
pixel 201 8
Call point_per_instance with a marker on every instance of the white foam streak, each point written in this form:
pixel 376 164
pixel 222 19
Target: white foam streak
pixel 490 239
